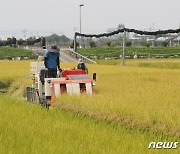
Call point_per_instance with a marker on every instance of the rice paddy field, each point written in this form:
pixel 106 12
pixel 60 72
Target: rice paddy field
pixel 131 106
pixel 104 51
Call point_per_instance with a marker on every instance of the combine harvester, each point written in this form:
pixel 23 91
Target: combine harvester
pixel 71 81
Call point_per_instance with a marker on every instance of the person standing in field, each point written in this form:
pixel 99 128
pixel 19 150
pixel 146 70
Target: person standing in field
pixel 81 65
pixel 51 61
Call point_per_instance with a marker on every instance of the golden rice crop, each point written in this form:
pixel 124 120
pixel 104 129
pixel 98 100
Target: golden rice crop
pixel 26 128
pixel 146 98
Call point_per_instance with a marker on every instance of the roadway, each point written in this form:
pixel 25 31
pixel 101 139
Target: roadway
pixel 66 57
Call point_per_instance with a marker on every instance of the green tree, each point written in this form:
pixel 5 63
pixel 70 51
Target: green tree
pixel 63 38
pixel 30 40
pixel 52 38
pixel 128 43
pixel 57 38
pixel 164 44
pixel 108 43
pixel 92 44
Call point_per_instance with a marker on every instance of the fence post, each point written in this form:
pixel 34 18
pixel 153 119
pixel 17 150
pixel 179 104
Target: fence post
pixel 123 52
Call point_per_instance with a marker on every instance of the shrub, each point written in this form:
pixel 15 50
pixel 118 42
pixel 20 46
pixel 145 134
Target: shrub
pixel 164 44
pixel 128 43
pixel 92 44
pixel 147 45
pixel 108 43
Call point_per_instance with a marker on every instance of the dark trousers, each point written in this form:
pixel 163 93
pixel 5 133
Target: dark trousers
pixel 52 73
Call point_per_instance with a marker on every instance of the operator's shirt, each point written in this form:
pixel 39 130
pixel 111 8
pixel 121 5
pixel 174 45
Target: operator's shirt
pixel 51 59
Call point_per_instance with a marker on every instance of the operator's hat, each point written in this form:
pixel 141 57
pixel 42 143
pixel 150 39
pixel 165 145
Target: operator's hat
pixel 53 49
pixel 80 61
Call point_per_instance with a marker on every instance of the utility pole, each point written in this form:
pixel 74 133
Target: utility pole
pixel 80 22
pixel 153 42
pixel 123 52
pixel 74 43
pixel 24 32
pixel 75 29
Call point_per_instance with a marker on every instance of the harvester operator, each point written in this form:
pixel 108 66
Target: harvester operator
pixel 51 61
pixel 82 65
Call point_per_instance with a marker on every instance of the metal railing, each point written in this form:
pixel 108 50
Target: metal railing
pixel 79 56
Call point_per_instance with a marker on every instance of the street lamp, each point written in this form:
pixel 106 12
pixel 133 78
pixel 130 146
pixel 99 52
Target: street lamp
pixel 80 21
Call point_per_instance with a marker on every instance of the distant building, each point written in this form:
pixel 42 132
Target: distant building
pixel 109 30
pixel 120 26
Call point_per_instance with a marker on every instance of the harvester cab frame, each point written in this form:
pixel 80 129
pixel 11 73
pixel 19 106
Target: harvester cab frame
pixel 71 81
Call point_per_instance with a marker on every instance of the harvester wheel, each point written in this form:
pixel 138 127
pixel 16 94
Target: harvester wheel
pixel 47 104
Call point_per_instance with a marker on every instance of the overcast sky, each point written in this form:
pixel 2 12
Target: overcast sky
pixel 62 16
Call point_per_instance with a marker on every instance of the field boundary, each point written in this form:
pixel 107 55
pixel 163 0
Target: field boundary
pixel 128 122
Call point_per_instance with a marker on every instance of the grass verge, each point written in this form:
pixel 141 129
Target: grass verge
pixel 11 52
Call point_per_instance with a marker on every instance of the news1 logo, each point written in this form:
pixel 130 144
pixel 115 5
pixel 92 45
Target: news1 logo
pixel 163 145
